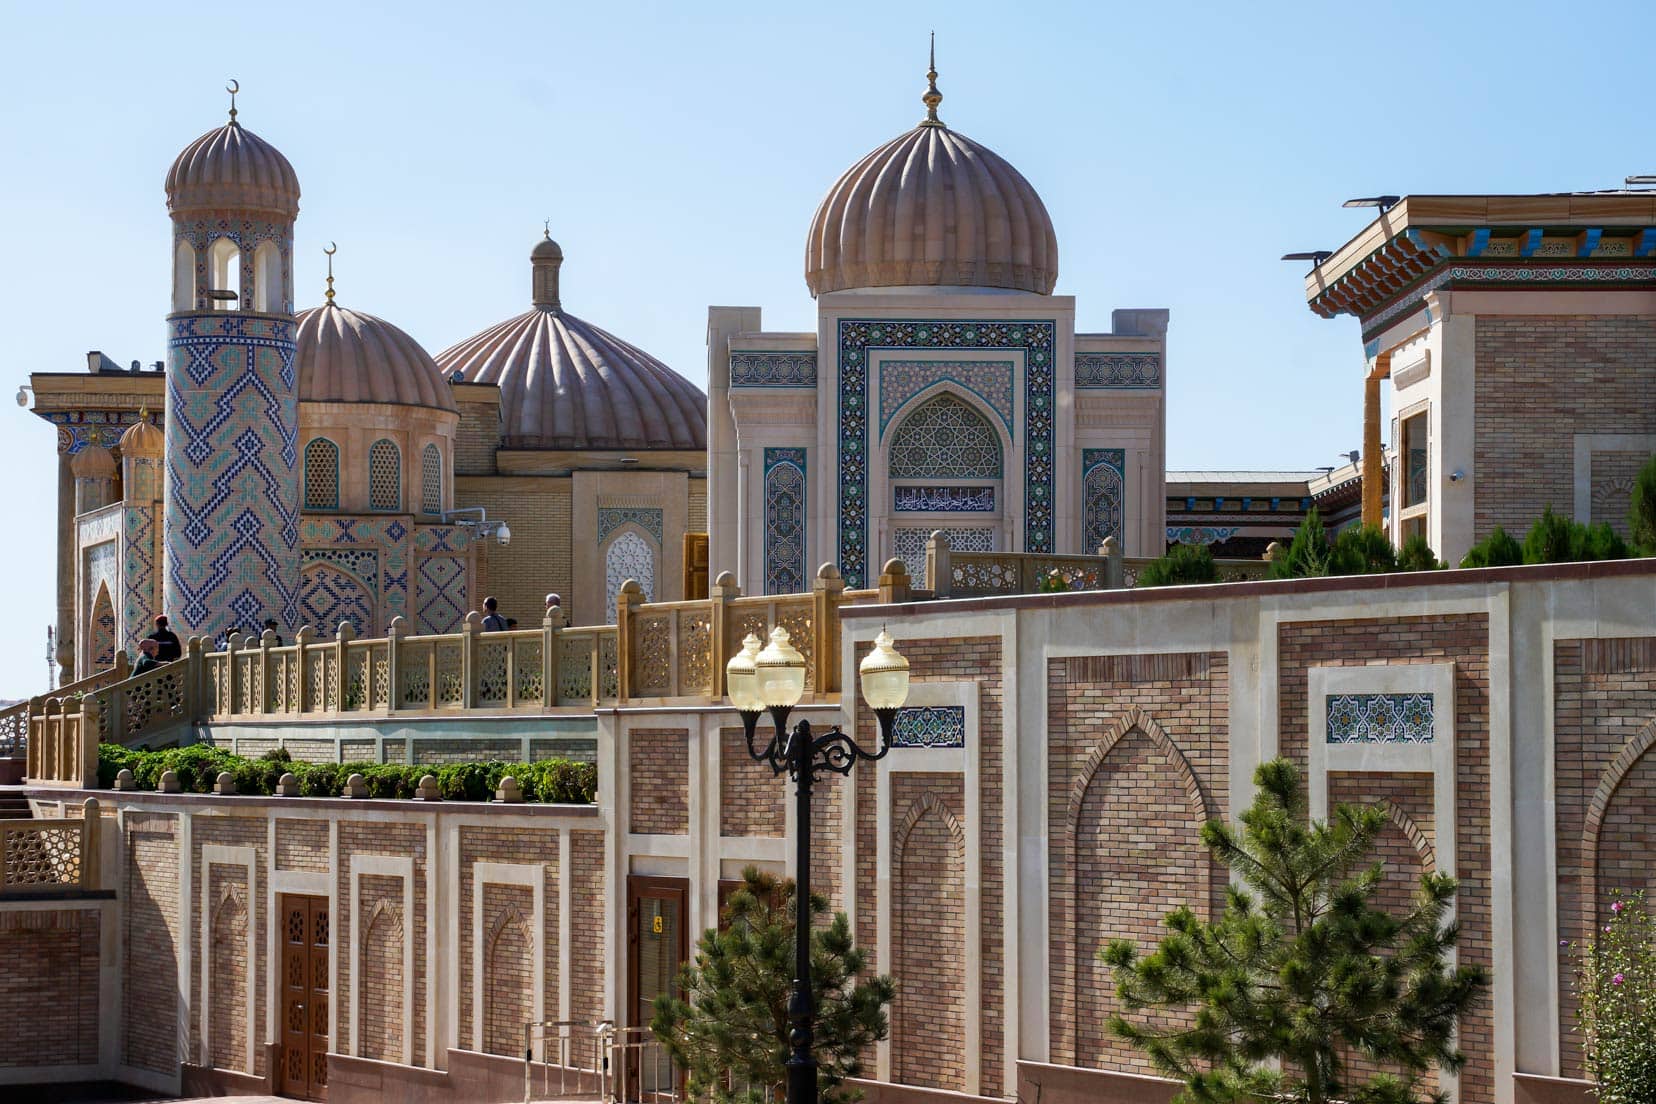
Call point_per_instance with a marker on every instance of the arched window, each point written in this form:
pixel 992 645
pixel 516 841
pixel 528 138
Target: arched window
pixel 629 556
pixel 321 475
pixel 945 438
pixel 184 277
pixel 431 480
pixel 101 637
pixel 384 477
pixel 224 274
pixel 267 278
pixel 1102 476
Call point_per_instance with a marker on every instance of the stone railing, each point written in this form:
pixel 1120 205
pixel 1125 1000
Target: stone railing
pixel 63 743
pixel 49 856
pixel 14 721
pixel 951 574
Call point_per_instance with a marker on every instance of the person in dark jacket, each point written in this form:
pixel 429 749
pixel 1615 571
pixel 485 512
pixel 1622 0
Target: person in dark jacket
pixel 492 621
pixel 167 647
pixel 146 656
pixel 270 623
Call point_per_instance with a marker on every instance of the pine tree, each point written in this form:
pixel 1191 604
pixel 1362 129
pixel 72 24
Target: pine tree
pixel 1301 968
pixel 729 1032
pixel 1641 512
pixel 1308 553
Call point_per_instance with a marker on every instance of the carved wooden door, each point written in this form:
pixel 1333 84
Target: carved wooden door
pixel 303 1069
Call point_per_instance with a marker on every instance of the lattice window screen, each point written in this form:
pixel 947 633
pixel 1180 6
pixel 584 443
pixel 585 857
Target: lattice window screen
pixel 321 475
pixel 946 438
pixel 384 476
pixel 431 480
pixel 629 557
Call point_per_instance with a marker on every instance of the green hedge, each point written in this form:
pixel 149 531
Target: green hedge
pixel 559 781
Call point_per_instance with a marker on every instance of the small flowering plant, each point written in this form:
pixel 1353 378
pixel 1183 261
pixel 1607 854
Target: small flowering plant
pixel 1616 976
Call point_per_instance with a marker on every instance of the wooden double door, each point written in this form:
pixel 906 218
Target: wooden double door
pixel 302 1068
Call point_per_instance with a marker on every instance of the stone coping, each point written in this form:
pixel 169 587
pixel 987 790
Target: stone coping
pixel 1268 588
pixel 360 804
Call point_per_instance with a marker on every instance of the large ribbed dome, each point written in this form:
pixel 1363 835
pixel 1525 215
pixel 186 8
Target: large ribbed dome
pixel 932 207
pixel 346 356
pixel 566 384
pixel 232 167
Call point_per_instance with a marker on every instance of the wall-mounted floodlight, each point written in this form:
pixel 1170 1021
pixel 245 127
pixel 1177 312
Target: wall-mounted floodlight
pixel 1315 256
pixel 1384 202
pixel 1640 181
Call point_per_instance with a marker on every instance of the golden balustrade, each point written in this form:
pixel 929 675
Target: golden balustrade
pixel 14 721
pixel 50 855
pixel 951 574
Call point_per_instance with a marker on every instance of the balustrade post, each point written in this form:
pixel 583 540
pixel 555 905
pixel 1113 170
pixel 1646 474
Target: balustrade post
pixel 232 648
pixel 631 594
pixel 468 659
pixel 85 754
pixel 267 641
pixel 301 645
pixel 1114 575
pixel 551 649
pixel 827 590
pixel 91 828
pixel 939 571
pixel 342 668
pixel 894 581
pixel 393 663
pixel 720 646
pixel 194 684
pixel 122 667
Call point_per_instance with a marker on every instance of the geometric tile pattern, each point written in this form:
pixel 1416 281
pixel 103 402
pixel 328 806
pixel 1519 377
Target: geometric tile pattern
pixel 442 557
pixel 1036 339
pixel 929 726
pixel 139 575
pixel 944 438
pixel 1408 297
pixel 321 474
pixel 101 641
pixel 797 369
pixel 1200 534
pixel 784 520
pixel 378 551
pixel 1124 371
pixel 989 380
pixel 1103 475
pixel 330 596
pixel 627 557
pixel 1380 718
pixel 611 518
pixel 232 505
pixel 78 428
pixel 909 545
pixel 943 500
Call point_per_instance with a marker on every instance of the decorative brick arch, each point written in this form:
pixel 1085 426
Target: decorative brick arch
pixel 1609 782
pixel 927 803
pixel 1411 831
pixel 227 1032
pixel 1134 719
pixel 379 991
pixel 929 935
pixel 508 1034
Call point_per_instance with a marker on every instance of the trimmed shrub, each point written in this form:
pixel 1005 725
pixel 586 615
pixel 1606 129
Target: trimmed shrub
pixel 559 781
pixel 1361 550
pixel 1308 553
pixel 1641 510
pixel 1558 539
pixel 1498 549
pixel 1184 563
pixel 1417 555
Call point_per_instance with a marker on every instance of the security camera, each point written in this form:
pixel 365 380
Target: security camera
pixel 504 534
pixel 23 395
pixel 1456 476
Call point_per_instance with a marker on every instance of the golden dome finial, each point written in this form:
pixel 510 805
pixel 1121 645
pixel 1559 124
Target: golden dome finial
pixel 233 87
pixel 932 97
pixel 330 251
pixel 546 232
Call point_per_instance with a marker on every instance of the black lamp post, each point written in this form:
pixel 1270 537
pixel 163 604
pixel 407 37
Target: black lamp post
pixel 774 680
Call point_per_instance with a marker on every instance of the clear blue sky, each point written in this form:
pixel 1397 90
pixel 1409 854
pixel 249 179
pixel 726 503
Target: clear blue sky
pixel 680 151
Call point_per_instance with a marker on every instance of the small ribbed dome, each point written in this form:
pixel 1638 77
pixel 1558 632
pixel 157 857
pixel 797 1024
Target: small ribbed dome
pixel 142 438
pixel 93 462
pixel 566 384
pixel 232 167
pixel 346 356
pixel 932 207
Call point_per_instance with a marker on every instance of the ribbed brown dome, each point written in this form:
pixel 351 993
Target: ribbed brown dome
pixel 142 438
pixel 232 167
pixel 566 384
pixel 931 207
pixel 349 357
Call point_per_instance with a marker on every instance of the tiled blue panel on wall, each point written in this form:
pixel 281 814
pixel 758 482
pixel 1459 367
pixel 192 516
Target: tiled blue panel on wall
pixel 1380 718
pixel 929 726
pixel 785 521
pixel 1103 482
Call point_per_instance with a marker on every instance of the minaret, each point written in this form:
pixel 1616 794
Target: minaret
pixel 232 417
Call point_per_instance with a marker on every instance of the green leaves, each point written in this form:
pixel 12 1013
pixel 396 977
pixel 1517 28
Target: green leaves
pixel 1301 970
pixel 1616 983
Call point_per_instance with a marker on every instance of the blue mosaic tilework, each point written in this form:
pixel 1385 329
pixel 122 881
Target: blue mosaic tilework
pixel 929 726
pixel 1118 371
pixel 944 438
pixel 78 428
pixel 141 599
pixel 943 500
pixel 208 226
pixel 785 521
pixel 1380 718
pixel 375 549
pixel 1200 534
pixel 1507 274
pixel 1103 483
pixel 611 518
pixel 442 558
pixel 989 380
pixel 232 506
pixel 1037 339
pixel 330 596
pixel 790 369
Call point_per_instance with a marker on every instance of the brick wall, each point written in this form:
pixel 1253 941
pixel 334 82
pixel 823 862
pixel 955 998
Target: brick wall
pixel 508 967
pixel 528 847
pixel 302 845
pixel 1604 697
pixel 1138 762
pixel 928 919
pixel 1540 381
pixel 659 777
pixel 49 987
pixel 586 926
pixel 229 974
pixel 1612 474
pixel 151 938
pixel 751 795
pixel 477 437
pixel 537 562
pixel 379 1005
pixel 1464 640
pixel 229 918
pixel 381 986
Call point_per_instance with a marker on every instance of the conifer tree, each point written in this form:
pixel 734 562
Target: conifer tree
pixel 729 1028
pixel 1301 968
pixel 1641 513
pixel 1308 553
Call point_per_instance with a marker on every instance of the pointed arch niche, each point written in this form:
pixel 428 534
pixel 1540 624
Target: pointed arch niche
pixel 942 465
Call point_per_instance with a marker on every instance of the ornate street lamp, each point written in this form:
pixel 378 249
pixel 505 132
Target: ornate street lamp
pixel 774 679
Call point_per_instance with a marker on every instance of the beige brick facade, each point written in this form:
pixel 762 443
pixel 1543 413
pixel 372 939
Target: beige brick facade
pixel 150 981
pixel 928 917
pixel 751 796
pixel 537 562
pixel 52 955
pixel 659 779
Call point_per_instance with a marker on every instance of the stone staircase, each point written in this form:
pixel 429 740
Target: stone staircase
pixel 13 805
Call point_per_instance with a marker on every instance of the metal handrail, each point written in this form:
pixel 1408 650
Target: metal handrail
pixel 622 1083
pixel 566 1035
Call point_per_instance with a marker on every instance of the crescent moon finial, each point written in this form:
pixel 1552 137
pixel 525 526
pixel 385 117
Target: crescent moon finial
pixel 330 251
pixel 232 87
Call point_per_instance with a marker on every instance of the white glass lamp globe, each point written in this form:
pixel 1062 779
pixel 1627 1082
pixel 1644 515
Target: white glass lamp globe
pixel 781 671
pixel 742 677
pixel 885 675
